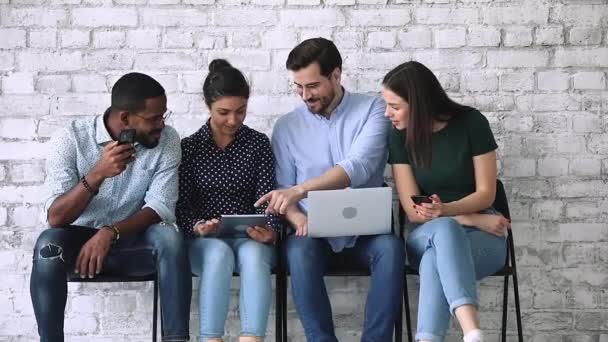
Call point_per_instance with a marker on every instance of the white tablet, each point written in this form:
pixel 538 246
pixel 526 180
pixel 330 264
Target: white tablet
pixel 235 226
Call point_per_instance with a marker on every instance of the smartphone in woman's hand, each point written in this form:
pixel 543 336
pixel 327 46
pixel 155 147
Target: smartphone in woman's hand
pixel 419 199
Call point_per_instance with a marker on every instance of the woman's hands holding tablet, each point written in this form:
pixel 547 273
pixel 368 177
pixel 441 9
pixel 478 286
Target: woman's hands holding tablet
pixel 203 228
pixel 262 234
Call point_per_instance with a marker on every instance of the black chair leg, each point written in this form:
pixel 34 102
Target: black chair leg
pixel 277 311
pixel 505 299
pixel 406 301
pixel 399 325
pixel 278 314
pixel 155 311
pixel 520 333
pixel 284 310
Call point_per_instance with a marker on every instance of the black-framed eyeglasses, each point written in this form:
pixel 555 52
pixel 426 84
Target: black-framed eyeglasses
pixel 157 119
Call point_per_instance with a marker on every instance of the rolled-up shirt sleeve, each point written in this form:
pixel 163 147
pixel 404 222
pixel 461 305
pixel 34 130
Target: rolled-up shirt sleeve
pixel 161 195
pixel 61 169
pixel 368 152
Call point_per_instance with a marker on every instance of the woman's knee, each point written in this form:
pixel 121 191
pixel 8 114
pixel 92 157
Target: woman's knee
pixel 447 229
pixel 211 252
pixel 255 254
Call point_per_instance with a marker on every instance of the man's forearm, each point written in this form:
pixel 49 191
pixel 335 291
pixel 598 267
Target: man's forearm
pixel 66 208
pixel 293 215
pixel 137 222
pixel 334 178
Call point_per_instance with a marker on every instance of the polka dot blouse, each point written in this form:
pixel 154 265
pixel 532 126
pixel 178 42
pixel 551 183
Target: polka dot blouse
pixel 215 182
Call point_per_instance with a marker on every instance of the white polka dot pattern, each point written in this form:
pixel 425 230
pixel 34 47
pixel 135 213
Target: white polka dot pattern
pixel 213 182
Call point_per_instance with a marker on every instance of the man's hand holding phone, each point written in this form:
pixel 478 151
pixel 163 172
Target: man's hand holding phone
pixel 116 156
pixel 114 159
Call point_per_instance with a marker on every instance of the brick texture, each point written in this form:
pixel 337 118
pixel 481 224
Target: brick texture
pixel 538 70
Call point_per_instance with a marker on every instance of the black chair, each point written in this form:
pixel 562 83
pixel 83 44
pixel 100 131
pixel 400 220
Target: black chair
pixel 331 272
pixel 114 278
pixel 111 278
pixel 280 291
pixel 509 270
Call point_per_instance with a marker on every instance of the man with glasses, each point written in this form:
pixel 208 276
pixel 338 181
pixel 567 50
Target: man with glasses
pixel 336 140
pixel 111 207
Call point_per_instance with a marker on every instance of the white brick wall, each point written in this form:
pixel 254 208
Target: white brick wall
pixel 538 70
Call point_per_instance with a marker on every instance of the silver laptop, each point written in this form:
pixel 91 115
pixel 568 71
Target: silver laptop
pixel 349 212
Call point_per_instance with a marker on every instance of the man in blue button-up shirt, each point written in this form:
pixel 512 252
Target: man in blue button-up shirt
pixel 111 207
pixel 335 140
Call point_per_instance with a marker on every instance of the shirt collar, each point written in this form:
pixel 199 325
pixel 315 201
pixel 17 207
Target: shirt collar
pixel 207 135
pixel 343 103
pixel 337 111
pixel 102 136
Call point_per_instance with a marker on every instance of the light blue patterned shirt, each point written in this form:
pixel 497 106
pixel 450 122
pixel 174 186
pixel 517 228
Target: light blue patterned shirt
pixel 307 145
pixel 149 181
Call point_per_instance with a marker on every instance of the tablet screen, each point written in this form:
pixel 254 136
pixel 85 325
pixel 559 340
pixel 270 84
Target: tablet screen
pixel 235 226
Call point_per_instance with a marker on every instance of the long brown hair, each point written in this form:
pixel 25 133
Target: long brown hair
pixel 428 102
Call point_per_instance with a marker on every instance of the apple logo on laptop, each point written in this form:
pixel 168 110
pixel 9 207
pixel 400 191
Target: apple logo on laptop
pixel 349 212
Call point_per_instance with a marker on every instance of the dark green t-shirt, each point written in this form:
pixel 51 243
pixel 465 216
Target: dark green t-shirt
pixel 452 175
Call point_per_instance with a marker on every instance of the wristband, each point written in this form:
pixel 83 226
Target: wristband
pixel 86 185
pixel 113 229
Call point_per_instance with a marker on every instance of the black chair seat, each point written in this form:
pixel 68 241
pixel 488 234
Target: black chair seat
pixel 110 278
pixel 348 272
pixel 507 271
pixel 345 272
pixel 410 270
pixel 237 274
pixel 119 278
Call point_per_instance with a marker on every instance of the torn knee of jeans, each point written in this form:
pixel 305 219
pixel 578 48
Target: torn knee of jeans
pixel 51 251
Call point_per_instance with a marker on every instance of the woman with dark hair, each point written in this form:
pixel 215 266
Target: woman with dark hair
pixel 444 152
pixel 226 166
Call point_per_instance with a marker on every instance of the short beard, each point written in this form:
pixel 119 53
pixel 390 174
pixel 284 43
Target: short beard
pixel 147 143
pixel 325 101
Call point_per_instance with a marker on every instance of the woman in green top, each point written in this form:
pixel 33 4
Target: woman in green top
pixel 446 152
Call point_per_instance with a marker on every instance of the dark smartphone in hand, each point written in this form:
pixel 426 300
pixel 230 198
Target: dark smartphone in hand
pixel 126 136
pixel 419 199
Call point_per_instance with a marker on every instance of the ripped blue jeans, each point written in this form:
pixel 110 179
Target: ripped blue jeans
pixel 159 249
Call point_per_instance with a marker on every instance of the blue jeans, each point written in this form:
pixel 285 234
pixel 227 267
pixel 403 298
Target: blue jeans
pixel 214 260
pixel 450 258
pixel 159 249
pixel 309 258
